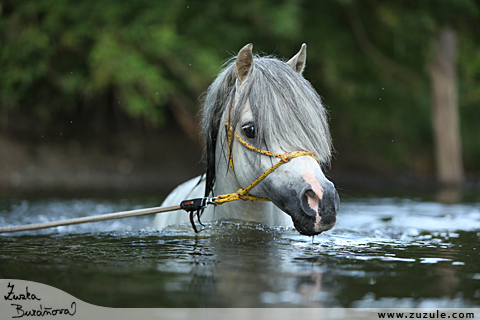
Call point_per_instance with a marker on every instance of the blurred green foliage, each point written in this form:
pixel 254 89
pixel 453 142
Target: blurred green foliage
pixel 368 59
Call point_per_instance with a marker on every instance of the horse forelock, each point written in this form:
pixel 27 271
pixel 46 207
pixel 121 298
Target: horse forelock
pixel 286 109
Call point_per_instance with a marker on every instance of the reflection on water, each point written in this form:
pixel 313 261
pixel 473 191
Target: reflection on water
pixel 382 253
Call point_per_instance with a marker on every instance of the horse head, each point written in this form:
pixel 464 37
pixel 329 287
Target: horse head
pixel 267 131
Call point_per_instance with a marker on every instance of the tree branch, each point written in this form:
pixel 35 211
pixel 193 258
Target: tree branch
pixel 366 45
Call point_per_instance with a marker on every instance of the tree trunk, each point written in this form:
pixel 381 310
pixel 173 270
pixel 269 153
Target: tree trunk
pixel 445 114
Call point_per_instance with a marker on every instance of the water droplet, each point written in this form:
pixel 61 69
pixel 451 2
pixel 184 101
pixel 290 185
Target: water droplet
pixel 383 88
pixel 71 72
pixel 188 7
pixel 157 92
pixel 379 98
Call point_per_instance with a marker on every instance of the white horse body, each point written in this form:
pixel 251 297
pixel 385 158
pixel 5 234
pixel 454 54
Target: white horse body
pixel 298 187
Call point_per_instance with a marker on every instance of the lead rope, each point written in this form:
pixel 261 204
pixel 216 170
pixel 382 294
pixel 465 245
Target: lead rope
pixel 187 205
pixel 102 217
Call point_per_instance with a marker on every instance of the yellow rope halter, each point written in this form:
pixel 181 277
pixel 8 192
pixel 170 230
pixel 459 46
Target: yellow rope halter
pixel 243 194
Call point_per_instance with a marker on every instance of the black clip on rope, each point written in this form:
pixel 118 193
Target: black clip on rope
pixel 197 205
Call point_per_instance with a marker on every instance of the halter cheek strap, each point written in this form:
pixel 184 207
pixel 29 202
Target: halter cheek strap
pixel 243 194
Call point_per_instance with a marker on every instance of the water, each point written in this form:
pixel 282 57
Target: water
pixel 384 252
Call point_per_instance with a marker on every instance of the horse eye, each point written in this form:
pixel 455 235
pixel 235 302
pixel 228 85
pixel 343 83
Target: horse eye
pixel 249 131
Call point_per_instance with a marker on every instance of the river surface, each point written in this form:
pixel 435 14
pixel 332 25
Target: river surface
pixel 383 252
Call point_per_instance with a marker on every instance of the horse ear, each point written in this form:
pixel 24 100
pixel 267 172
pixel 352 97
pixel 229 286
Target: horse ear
pixel 244 63
pixel 297 63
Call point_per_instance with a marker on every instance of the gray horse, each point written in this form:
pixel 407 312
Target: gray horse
pixel 260 111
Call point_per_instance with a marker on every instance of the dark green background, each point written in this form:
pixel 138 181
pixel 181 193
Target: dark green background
pixel 115 66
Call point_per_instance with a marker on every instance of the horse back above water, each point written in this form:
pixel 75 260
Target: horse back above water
pixel 267 138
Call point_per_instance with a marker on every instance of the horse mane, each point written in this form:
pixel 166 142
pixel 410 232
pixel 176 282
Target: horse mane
pixel 279 97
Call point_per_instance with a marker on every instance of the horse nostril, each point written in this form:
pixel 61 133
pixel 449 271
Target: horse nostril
pixel 310 193
pixel 310 202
